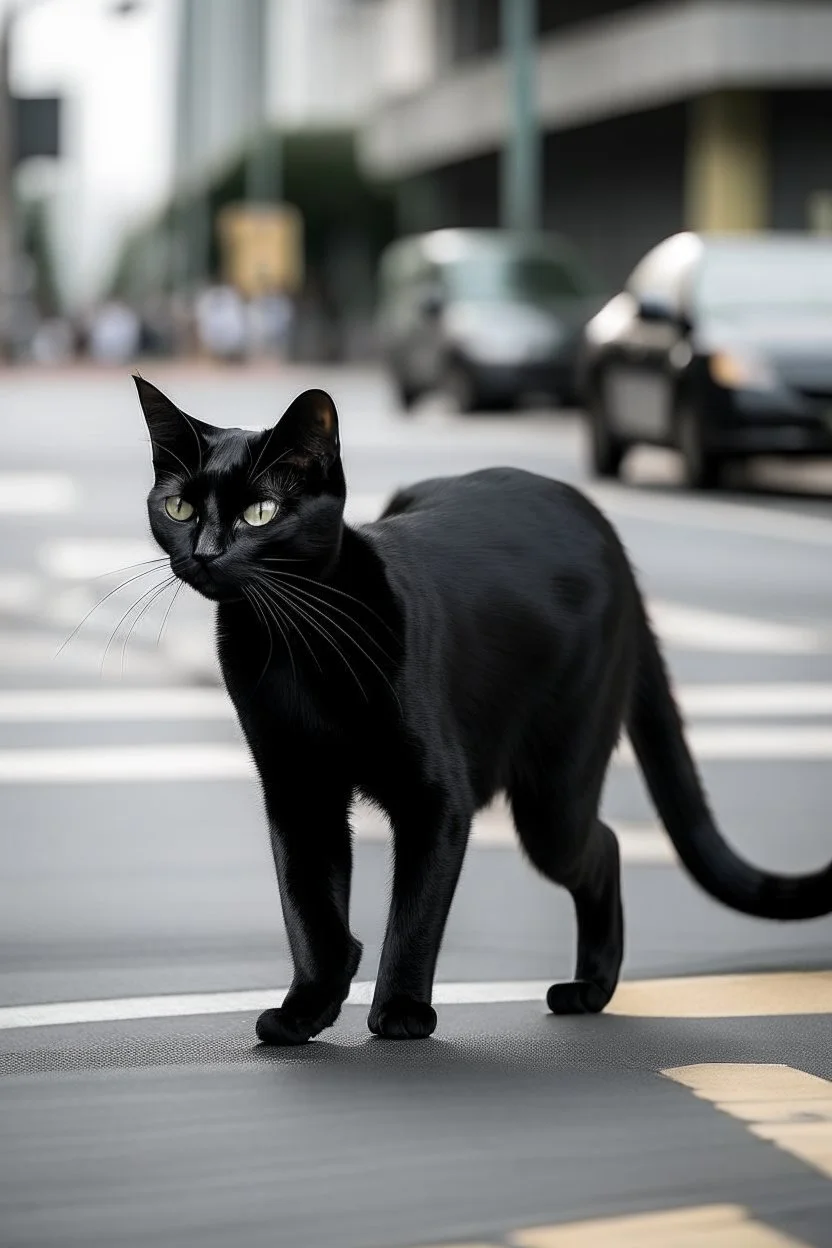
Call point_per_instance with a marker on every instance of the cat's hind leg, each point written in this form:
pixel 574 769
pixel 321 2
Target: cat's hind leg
pixel 568 844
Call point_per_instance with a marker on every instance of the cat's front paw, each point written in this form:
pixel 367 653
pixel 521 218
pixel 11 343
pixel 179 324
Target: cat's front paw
pixel 402 1018
pixel 282 1027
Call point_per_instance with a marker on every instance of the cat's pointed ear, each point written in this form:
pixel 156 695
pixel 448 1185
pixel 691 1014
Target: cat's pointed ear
pixel 176 440
pixel 309 428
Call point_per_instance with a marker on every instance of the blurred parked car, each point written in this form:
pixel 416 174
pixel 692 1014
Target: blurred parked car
pixel 483 315
pixel 718 346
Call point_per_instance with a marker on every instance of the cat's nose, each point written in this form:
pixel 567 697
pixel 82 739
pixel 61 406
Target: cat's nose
pixel 207 547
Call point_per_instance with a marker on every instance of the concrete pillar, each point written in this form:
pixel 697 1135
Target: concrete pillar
pixel 727 163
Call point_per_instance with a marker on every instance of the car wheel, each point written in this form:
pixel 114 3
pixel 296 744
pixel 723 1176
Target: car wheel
pixel 406 393
pixel 606 450
pixel 458 385
pixel 703 468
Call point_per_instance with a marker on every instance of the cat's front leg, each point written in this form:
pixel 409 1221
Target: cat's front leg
pixel 310 836
pixel 430 842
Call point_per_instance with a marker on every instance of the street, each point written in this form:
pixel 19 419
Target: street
pixel 140 919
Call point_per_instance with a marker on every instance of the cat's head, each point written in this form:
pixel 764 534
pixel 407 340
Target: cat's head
pixel 227 505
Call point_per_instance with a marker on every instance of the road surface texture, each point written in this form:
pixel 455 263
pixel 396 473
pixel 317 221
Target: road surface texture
pixel 141 931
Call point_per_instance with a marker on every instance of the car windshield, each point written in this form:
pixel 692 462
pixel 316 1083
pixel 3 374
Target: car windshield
pixel 760 279
pixel 530 277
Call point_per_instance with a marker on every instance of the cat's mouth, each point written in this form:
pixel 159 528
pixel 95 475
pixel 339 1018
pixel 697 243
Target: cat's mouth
pixel 208 582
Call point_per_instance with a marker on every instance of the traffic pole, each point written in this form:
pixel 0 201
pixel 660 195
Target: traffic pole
pixel 8 220
pixel 520 171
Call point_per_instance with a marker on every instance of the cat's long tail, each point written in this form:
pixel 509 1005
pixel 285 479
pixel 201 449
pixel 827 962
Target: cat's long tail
pixel 657 735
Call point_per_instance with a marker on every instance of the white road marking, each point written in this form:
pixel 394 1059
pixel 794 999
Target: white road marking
pixel 644 843
pixel 213 761
pixel 798 700
pixel 720 517
pixel 86 558
pixel 120 1010
pixel 675 509
pixel 692 628
pixel 757 700
pixel 36 493
pixel 711 996
pixel 125 764
pixel 794 742
pixel 18 706
pixel 37 652
pixel 19 591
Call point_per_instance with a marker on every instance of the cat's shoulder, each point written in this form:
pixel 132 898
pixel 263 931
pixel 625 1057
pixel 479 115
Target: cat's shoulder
pixel 467 488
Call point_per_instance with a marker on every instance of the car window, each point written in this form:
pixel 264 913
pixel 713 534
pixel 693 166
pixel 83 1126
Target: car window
pixel 757 278
pixel 493 275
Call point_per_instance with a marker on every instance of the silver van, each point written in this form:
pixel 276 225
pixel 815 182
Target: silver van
pixel 483 315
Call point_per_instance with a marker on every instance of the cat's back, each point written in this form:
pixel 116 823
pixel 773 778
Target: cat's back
pixel 496 508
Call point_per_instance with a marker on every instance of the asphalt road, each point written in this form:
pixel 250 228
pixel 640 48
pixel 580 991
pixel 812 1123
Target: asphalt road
pixel 140 927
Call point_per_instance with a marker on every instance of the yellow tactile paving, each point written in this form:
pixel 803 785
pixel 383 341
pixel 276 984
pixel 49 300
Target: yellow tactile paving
pixel 709 1226
pixel 726 996
pixel 787 1107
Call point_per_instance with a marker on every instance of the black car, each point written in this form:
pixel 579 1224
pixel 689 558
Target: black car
pixel 718 346
pixel 485 315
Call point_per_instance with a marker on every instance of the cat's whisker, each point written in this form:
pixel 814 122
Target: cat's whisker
pixel 327 637
pixel 284 615
pixel 334 623
pixel 271 598
pixel 269 607
pixel 190 425
pixel 277 460
pixel 262 451
pixel 168 450
pixel 331 606
pixel 128 567
pixel 100 603
pixel 309 598
pixel 324 585
pixel 259 613
pixel 135 622
pixel 132 607
pixel 167 613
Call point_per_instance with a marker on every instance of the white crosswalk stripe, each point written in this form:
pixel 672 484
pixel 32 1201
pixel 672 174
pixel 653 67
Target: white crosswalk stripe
pixel 728 722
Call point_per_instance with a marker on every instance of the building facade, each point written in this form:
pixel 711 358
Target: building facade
pixel 654 116
pixel 244 65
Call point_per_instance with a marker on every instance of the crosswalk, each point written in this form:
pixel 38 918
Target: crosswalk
pixel 131 671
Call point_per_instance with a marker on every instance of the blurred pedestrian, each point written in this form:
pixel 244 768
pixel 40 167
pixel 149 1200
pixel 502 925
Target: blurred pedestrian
pixel 270 324
pixel 222 323
pixel 115 333
pixel 53 342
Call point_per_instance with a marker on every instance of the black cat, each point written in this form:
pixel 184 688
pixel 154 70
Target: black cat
pixel 485 635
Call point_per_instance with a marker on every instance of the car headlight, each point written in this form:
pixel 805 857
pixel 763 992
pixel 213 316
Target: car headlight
pixel 741 372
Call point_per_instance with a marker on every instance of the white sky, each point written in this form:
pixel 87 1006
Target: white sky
pixel 117 75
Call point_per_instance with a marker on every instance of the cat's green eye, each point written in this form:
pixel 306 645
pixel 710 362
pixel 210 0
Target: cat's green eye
pixel 261 512
pixel 177 508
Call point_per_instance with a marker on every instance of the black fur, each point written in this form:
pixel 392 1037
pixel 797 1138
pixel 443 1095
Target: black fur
pixel 485 635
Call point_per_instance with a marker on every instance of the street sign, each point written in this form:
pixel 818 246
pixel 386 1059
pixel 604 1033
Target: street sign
pixel 262 248
pixel 36 126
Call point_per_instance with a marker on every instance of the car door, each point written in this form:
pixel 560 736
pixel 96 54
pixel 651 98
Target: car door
pixel 639 382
